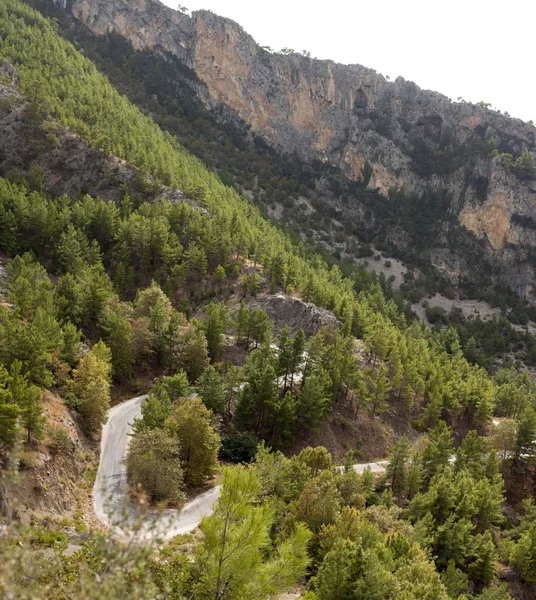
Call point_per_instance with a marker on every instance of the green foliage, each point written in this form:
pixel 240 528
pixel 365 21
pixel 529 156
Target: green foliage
pixel 210 388
pixel 336 577
pixel 237 558
pixel 438 450
pixel 190 424
pixel 34 567
pixel 154 411
pixel 397 468
pixel 239 447
pixel 9 411
pixel 455 581
pixel 521 550
pixel 217 316
pixel 378 388
pixel 59 441
pixel 159 253
pixel 525 166
pixel 319 502
pixel 91 387
pixel 115 322
pixel 29 399
pixel 154 465
pixel 450 516
pixel 314 400
pixel 482 565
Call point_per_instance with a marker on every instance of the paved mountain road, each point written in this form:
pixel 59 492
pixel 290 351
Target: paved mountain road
pixel 110 499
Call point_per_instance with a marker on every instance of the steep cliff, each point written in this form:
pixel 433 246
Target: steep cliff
pixel 380 134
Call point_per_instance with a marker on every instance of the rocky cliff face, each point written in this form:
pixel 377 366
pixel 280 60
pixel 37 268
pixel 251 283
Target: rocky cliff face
pixel 389 134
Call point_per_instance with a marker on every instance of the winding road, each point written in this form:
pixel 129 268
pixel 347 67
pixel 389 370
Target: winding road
pixel 110 499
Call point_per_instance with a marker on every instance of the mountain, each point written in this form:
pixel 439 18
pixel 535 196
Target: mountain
pixel 129 266
pixel 436 182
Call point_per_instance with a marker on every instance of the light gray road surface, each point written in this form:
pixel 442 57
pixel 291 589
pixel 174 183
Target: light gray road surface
pixel 110 498
pixel 375 467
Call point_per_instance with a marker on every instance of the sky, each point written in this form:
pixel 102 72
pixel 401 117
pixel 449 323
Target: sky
pixel 474 49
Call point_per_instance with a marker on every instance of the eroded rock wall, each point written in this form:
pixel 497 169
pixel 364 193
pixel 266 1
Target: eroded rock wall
pixel 353 118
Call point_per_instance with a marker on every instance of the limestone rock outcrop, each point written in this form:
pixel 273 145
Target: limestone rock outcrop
pixel 393 134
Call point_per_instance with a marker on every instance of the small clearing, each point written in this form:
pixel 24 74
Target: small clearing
pixel 390 267
pixel 470 308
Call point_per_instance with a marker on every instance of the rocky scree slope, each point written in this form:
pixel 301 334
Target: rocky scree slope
pixel 382 134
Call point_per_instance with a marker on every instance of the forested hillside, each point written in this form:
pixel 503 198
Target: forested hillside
pixel 340 218
pixel 353 158
pixel 104 296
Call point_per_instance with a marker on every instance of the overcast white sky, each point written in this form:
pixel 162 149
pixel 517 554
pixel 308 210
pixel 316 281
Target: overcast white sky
pixel 476 49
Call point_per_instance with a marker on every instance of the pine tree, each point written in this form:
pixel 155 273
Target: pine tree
pixel 220 276
pixel 154 411
pixel 232 561
pixel 319 501
pixel 9 412
pixel 91 386
pixel 336 576
pixel 378 388
pixel 281 418
pixel 313 401
pixel 242 322
pixel 526 435
pixel 414 477
pixel 259 326
pixel 119 337
pixel 191 425
pixel 438 450
pixel 455 581
pixel 397 468
pixel 210 388
pixel 154 463
pixel 285 350
pixel 482 567
pixel 217 316
pixel 298 348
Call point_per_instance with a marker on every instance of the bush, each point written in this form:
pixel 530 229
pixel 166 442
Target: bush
pixel 436 314
pixel 59 441
pixel 364 251
pixel 239 447
pixel 47 538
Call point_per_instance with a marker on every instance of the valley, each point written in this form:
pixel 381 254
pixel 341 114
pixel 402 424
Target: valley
pixel 266 322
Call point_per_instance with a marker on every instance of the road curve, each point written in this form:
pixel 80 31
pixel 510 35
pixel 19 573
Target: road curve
pixel 110 500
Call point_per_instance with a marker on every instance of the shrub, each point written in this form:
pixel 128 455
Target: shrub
pixel 239 447
pixel 59 441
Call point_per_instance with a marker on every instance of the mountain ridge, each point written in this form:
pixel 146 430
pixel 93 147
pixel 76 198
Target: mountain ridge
pixel 383 135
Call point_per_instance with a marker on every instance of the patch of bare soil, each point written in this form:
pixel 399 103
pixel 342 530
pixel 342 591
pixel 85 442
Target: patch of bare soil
pixel 390 267
pixel 235 355
pixel 294 594
pixel 347 431
pixel 57 485
pixel 470 308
